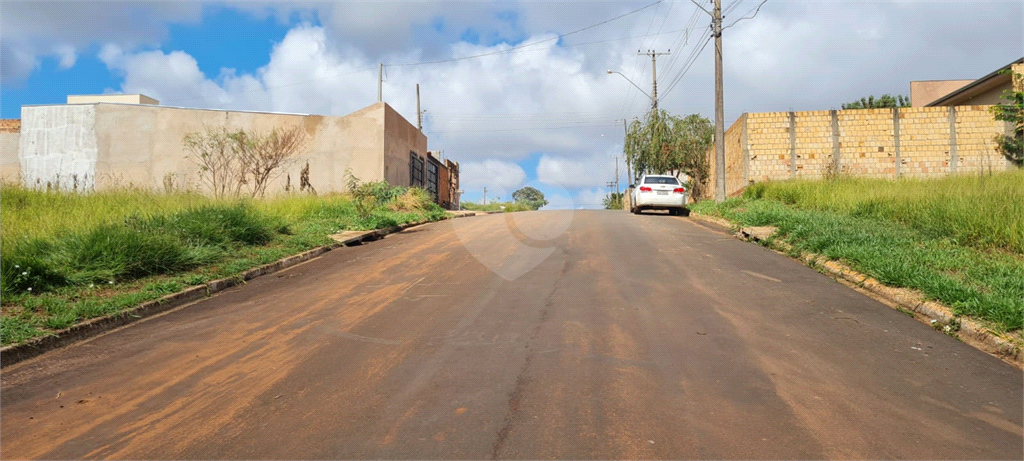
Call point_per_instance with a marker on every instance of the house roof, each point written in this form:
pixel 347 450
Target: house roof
pixel 981 85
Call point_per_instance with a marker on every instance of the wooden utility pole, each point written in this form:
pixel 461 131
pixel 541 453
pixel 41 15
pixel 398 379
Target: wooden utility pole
pixel 616 175
pixel 419 114
pixel 625 134
pixel 719 107
pixel 654 75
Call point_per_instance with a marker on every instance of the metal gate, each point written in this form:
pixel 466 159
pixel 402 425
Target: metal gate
pixel 432 170
pixel 415 170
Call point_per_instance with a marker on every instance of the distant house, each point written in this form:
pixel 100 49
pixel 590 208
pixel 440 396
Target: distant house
pixel 97 142
pixel 983 91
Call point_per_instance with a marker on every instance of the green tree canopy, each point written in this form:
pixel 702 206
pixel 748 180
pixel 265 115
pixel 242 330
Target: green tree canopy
pixel 530 197
pixel 612 201
pixel 1011 145
pixel 664 143
pixel 886 101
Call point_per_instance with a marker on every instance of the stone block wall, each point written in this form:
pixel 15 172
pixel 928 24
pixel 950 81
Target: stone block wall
pixel 877 143
pixel 813 143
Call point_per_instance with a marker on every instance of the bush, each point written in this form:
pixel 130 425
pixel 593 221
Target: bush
pixel 218 225
pixel 112 252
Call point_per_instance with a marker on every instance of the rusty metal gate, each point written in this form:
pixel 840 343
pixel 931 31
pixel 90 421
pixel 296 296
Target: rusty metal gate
pixel 415 170
pixel 432 178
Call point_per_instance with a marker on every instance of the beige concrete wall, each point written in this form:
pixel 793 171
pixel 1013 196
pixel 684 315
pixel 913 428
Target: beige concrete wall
pixel 142 145
pixel 402 138
pixel 10 167
pixel 111 98
pixel 866 144
pixel 926 91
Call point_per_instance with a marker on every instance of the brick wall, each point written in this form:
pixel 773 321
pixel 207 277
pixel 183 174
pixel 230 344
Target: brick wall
pixel 10 125
pixel 878 143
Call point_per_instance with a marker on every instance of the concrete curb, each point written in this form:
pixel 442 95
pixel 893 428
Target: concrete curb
pixel 929 312
pixel 9 355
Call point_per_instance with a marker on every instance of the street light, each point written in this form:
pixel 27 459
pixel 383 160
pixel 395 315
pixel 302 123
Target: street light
pixel 631 82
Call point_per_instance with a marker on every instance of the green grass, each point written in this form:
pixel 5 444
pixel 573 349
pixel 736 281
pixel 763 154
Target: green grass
pixel 985 212
pixel 957 239
pixel 509 207
pixel 66 257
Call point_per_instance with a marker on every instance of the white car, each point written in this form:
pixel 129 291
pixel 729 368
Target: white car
pixel 659 192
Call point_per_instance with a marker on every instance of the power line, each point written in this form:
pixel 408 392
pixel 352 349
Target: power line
pixel 508 50
pixel 503 130
pixel 686 66
pixel 539 42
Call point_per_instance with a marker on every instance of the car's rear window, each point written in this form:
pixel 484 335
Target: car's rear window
pixel 661 180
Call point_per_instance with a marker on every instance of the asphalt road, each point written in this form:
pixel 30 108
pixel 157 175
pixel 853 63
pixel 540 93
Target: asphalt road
pixel 569 335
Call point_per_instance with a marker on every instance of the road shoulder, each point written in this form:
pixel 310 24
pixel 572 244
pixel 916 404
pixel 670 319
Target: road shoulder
pixel 1007 348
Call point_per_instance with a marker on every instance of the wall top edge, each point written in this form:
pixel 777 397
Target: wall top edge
pixel 150 106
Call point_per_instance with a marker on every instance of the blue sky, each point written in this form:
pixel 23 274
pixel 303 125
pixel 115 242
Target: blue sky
pixel 516 91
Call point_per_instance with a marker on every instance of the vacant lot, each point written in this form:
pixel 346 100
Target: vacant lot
pixel 958 239
pixel 67 257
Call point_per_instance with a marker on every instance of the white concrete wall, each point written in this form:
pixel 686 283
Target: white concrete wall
pixel 57 147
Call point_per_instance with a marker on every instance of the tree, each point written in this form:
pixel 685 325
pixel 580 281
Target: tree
pixel 1011 145
pixel 530 197
pixel 886 101
pixel 263 156
pixel 219 165
pixel 232 160
pixel 663 143
pixel 613 201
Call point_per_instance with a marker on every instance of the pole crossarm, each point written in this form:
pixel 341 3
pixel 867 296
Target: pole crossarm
pixel 702 8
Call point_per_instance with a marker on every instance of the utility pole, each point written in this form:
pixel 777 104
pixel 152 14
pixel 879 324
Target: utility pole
pixel 716 31
pixel 616 175
pixel 654 75
pixel 625 134
pixel 419 114
pixel 485 196
pixel 380 82
pixel 719 107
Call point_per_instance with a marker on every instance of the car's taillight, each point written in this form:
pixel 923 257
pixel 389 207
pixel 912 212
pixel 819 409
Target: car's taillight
pixel 645 189
pixel 679 190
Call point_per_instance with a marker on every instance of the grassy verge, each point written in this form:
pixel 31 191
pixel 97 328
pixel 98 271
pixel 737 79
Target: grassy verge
pixel 65 257
pixel 507 207
pixel 957 239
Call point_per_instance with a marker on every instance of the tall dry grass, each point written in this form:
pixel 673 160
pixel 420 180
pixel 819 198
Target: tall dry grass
pixel 980 211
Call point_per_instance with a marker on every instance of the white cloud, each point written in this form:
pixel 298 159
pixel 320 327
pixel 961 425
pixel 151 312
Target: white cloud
pixel 580 171
pixel 67 56
pixel 35 29
pixel 501 178
pixel 591 198
pixel 493 107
